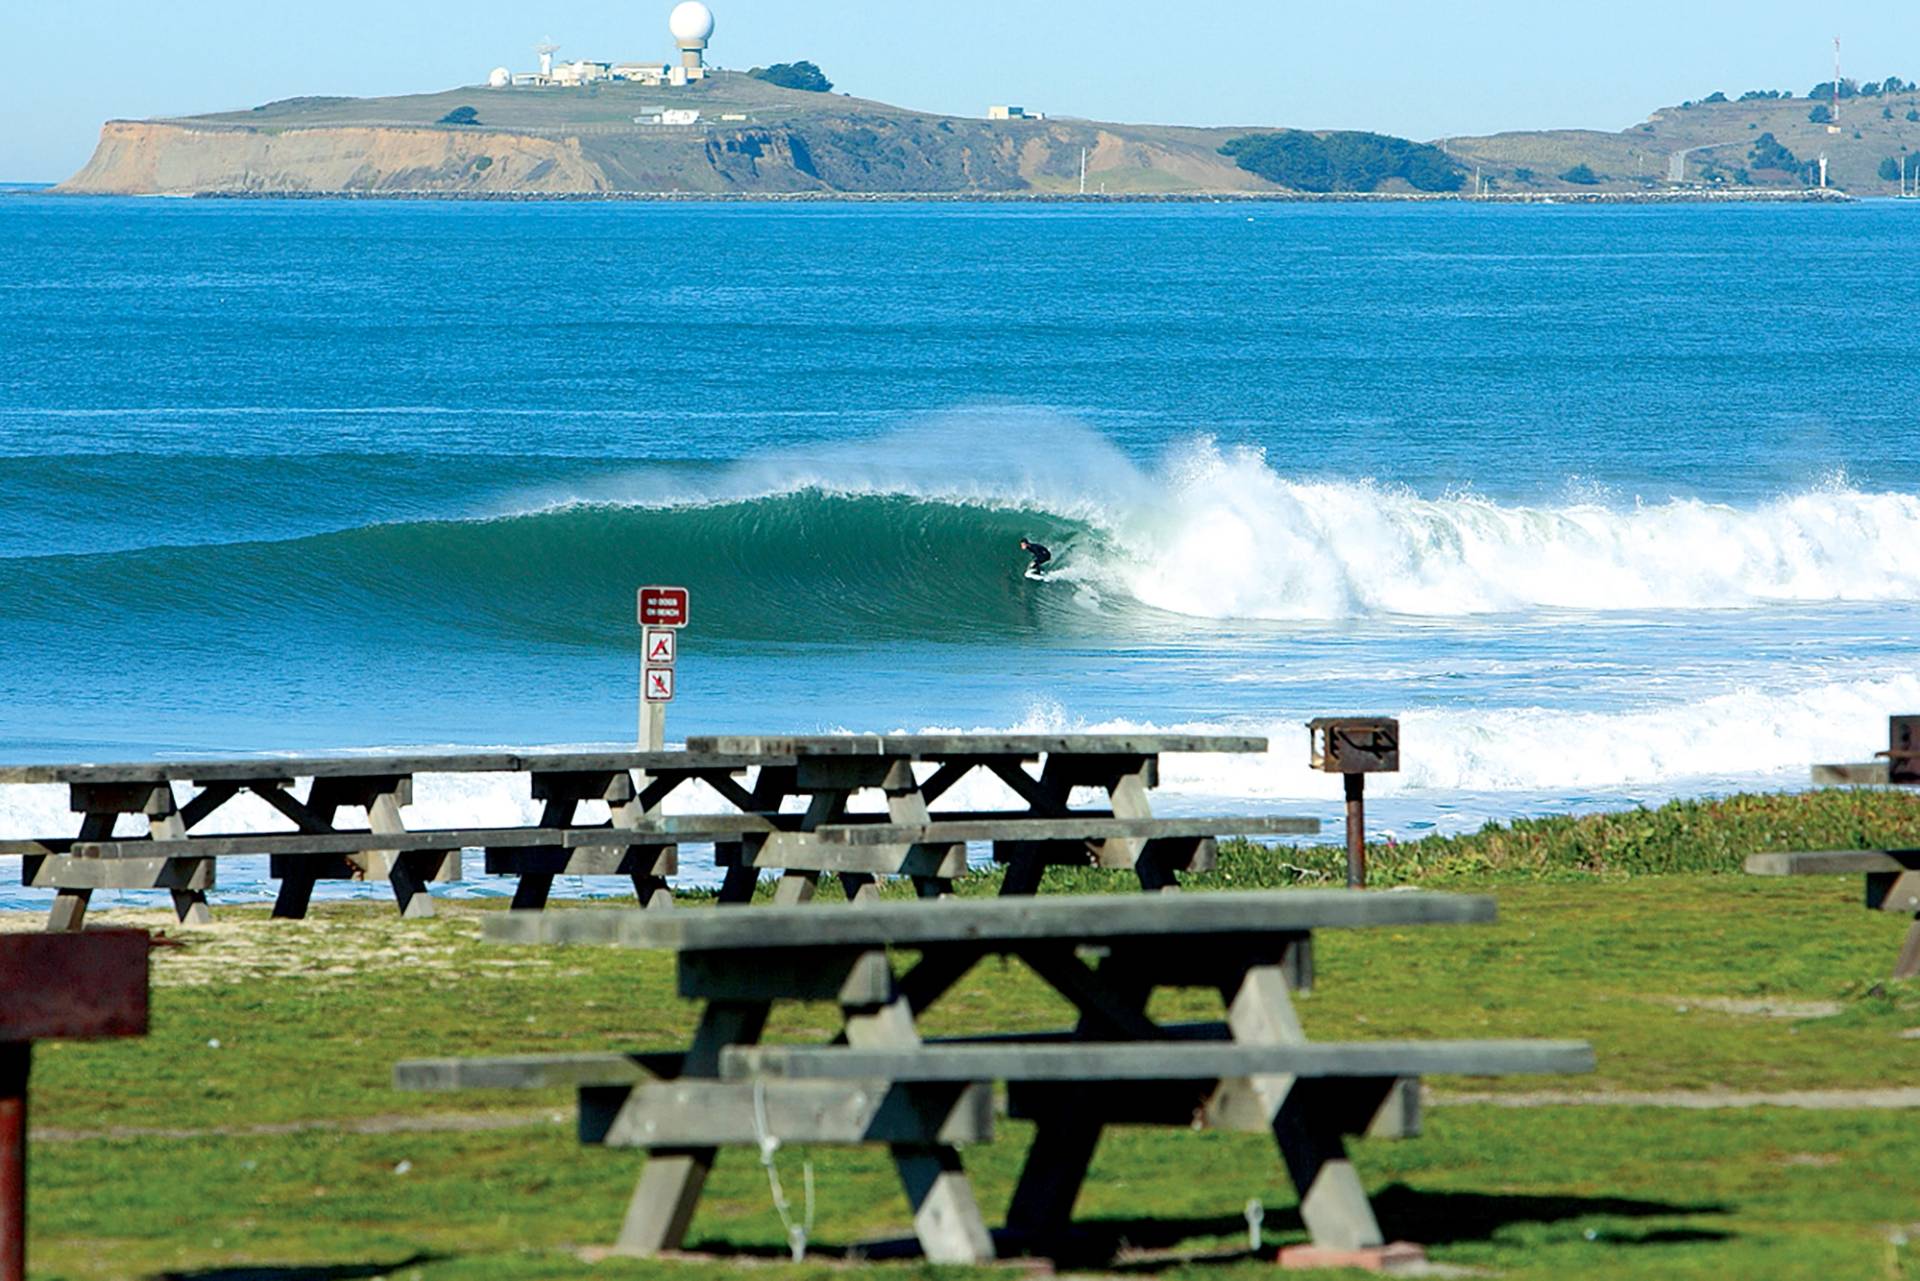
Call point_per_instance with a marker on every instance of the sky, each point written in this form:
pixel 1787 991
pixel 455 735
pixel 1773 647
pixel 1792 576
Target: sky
pixel 1415 68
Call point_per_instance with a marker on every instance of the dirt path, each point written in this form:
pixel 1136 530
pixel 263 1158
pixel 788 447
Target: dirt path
pixel 1820 1100
pixel 444 1123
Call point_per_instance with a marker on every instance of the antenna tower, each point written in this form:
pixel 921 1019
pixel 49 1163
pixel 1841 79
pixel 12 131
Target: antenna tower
pixel 1836 80
pixel 546 49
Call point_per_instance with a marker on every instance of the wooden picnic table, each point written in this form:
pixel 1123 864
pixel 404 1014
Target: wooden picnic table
pixel 1892 876
pixel 908 838
pixel 832 769
pixel 879 1081
pixel 175 858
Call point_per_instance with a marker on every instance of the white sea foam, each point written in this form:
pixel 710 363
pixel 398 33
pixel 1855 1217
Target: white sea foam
pixel 1462 768
pixel 1222 533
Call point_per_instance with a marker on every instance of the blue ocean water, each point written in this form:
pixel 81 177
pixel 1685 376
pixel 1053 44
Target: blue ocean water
pixel 1610 504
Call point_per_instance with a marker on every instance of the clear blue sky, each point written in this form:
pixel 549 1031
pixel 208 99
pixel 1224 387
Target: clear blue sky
pixel 1410 67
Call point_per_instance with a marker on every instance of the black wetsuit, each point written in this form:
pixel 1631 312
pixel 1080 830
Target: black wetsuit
pixel 1040 557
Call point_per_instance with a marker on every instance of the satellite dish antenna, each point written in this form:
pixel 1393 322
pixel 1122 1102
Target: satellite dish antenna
pixel 546 49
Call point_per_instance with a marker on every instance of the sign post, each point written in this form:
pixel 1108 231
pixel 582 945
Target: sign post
pixel 1354 747
pixel 663 612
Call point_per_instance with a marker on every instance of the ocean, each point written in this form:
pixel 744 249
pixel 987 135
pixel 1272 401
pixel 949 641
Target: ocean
pixel 1610 505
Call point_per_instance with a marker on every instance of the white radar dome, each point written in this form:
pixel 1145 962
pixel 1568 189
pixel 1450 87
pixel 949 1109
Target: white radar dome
pixel 500 78
pixel 691 22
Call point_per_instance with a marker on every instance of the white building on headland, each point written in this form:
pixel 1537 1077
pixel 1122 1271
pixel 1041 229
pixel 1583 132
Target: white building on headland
pixel 1014 113
pixel 691 25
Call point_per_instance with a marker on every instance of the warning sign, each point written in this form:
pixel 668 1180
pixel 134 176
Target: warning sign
pixel 662 646
pixel 663 607
pixel 659 685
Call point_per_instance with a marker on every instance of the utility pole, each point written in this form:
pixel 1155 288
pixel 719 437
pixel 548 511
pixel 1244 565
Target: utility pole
pixel 1083 171
pixel 1836 83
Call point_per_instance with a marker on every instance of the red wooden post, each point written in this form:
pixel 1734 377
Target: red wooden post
pixel 15 1058
pixel 1356 831
pixel 64 987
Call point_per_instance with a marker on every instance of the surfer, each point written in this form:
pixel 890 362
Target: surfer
pixel 1040 557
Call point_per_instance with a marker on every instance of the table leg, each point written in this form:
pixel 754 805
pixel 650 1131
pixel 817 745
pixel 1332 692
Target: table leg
pixel 933 886
pixel 669 1190
pixel 860 887
pixel 1023 877
pixel 16 1061
pixel 1063 1144
pixel 1307 1120
pixel 795 888
pixel 1909 963
pixel 189 905
pixel 739 883
pixel 946 1216
pixel 296 890
pixel 1051 1179
pixel 631 808
pixel 69 912
pixel 558 808
pixel 407 875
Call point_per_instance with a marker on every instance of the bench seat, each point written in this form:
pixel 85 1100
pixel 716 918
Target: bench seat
pixel 940 830
pixel 1149 1061
pixel 534 1071
pixel 1831 862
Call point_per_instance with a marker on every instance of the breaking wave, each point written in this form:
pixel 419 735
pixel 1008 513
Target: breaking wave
pixel 914 535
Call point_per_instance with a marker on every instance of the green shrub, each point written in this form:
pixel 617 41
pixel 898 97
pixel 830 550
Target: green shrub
pixel 1343 161
pixel 1581 175
pixel 794 75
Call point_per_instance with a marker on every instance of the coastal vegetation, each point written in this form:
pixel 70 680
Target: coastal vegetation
pixel 804 76
pixel 1769 154
pixel 255 1132
pixel 779 131
pixel 1343 161
pixel 1581 175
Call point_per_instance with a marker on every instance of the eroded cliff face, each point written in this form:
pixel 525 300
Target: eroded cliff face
pixel 853 154
pixel 136 158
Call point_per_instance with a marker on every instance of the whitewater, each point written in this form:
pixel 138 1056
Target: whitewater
pixel 1604 513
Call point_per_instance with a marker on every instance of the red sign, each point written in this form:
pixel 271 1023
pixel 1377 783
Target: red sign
pixel 663 607
pixel 73 987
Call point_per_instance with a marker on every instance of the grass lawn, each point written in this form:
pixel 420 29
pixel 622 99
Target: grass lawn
pixel 254 1134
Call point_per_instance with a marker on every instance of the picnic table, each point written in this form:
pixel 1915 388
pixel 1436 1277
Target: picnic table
pixel 1045 829
pixel 1892 876
pixel 881 1081
pixel 827 773
pixel 173 856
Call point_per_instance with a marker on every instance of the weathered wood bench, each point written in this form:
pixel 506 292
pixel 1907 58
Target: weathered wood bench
pixel 632 784
pixel 1893 885
pixel 637 843
pixel 1892 876
pixel 831 770
pixel 880 1082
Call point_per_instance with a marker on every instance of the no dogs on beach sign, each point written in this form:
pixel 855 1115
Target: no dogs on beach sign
pixel 663 607
pixel 663 610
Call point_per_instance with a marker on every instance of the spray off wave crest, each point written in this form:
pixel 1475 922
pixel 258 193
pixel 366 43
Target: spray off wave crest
pixel 914 535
